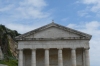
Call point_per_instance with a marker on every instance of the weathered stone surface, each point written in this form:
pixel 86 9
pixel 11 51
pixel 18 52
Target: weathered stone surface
pixel 53 30
pixel 13 46
pixel 2 65
pixel 1 54
pixel 54 45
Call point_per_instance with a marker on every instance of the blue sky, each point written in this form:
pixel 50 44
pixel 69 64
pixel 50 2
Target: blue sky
pixel 83 15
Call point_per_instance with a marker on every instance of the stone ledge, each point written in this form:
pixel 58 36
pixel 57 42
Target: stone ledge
pixel 67 38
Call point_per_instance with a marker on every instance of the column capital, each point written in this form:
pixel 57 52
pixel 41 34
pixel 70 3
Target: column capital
pixel 33 49
pixel 46 48
pixel 73 48
pixel 86 48
pixel 59 48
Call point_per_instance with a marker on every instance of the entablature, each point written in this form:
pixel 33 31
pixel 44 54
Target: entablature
pixel 62 38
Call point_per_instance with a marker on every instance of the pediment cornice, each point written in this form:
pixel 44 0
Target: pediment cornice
pixel 46 39
pixel 58 26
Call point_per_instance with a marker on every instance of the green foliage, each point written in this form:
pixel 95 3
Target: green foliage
pixel 10 62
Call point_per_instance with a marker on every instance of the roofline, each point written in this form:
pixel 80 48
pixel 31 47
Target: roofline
pixel 57 25
pixel 46 39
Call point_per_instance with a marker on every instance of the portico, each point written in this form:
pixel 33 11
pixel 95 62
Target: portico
pixel 54 45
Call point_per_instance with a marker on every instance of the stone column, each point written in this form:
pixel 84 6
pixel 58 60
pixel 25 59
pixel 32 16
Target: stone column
pixel 83 57
pixel 87 57
pixel 33 57
pixel 20 60
pixel 73 56
pixel 60 59
pixel 46 57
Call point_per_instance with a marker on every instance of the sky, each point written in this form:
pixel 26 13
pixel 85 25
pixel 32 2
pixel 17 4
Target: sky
pixel 82 15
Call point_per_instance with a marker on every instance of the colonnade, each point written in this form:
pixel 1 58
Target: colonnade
pixel 60 58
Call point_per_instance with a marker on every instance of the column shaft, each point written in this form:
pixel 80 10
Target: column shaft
pixel 87 57
pixel 73 54
pixel 46 57
pixel 20 60
pixel 33 57
pixel 60 59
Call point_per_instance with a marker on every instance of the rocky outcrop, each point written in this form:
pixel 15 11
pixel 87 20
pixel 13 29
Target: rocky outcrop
pixel 13 46
pixel 2 65
pixel 7 42
pixel 1 55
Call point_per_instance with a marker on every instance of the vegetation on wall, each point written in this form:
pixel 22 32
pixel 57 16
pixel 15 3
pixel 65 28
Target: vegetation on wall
pixel 10 62
pixel 9 58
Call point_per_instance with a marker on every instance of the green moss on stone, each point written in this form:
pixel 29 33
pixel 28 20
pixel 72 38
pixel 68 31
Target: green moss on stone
pixel 10 62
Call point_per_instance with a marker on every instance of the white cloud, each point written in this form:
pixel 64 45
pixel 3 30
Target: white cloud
pixel 30 12
pixel 92 7
pixel 15 14
pixel 91 1
pixel 6 8
pixel 88 27
pixel 84 12
pixel 96 8
pixel 25 27
pixel 20 28
pixel 34 3
pixel 32 9
pixel 95 4
pixel 92 28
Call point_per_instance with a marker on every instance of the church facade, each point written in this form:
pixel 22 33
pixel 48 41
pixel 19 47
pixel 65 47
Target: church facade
pixel 53 45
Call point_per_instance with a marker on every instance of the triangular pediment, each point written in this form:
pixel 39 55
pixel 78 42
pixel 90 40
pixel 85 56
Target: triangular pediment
pixel 53 30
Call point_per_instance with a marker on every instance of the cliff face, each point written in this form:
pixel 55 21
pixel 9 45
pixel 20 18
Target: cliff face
pixel 7 42
pixel 12 46
pixel 1 54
